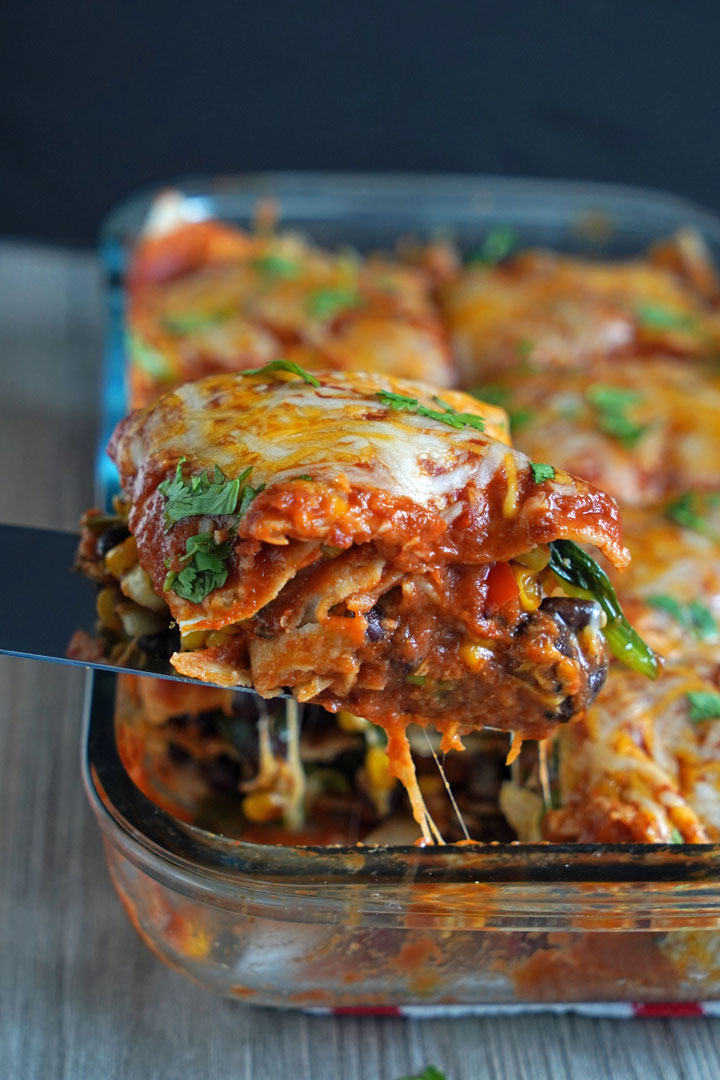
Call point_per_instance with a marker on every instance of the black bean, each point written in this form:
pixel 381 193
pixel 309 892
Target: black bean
pixel 375 631
pixel 576 614
pixel 178 754
pixel 110 539
pixel 223 773
pixel 160 646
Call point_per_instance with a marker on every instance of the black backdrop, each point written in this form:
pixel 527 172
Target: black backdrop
pixel 98 98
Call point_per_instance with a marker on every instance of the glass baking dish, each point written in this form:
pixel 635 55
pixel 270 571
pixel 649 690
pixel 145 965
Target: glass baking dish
pixel 379 927
pixel 382 927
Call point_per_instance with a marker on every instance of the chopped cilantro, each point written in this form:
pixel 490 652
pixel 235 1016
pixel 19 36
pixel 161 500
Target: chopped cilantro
pixel 327 303
pixel 690 510
pixel 149 359
pixel 676 837
pixel 523 349
pixel 203 494
pixel 491 393
pixel 702 621
pixel 704 705
pixel 190 321
pixel 416 680
pixel 430 1072
pixel 284 365
pixel 582 577
pixel 447 416
pixel 542 472
pixel 496 246
pixel 520 418
pixel 611 404
pixel 656 317
pixel 274 265
pixel 302 476
pixel 693 616
pixel 204 568
pixel 494 394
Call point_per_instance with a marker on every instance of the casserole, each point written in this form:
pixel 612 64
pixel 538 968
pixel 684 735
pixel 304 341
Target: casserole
pixel 552 923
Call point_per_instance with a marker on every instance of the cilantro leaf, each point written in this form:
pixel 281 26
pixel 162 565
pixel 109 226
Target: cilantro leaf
pixel 327 303
pixel 430 1072
pixel 200 494
pixel 494 394
pixel 690 510
pixel 542 472
pixel 491 393
pixel 204 568
pixel 611 405
pixel 274 265
pixel 284 365
pixel 583 577
pixel 520 418
pixel 656 317
pixel 704 705
pixel 190 321
pixel 247 495
pixel 149 359
pixel 695 617
pixel 449 416
pixel 702 621
pixel 676 837
pixel 497 244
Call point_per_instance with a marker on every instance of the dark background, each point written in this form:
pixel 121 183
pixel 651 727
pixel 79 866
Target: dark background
pixel 99 98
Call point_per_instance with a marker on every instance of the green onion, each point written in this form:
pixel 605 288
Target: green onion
pixel 582 577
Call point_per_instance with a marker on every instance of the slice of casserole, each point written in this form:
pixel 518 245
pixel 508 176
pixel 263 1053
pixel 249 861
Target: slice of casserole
pixel 368 545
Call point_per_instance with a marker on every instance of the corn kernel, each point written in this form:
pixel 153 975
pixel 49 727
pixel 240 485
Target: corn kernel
pixel 377 769
pixel 537 559
pixel 262 806
pixel 347 721
pixel 122 557
pixel 529 587
pixel 106 605
pixel 474 654
pixel 194 639
pixel 217 637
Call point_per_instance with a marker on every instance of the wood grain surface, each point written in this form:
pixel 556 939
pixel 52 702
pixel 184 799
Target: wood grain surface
pixel 81 998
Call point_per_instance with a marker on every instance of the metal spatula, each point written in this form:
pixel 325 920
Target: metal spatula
pixel 44 604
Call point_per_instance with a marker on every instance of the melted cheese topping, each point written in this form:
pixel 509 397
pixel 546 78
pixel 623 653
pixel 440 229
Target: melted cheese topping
pixel 555 311
pixel 283 427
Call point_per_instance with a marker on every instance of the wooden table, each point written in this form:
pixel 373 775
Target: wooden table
pixel 80 995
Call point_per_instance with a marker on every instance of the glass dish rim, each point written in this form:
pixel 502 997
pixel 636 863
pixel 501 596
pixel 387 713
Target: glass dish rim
pixel 126 813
